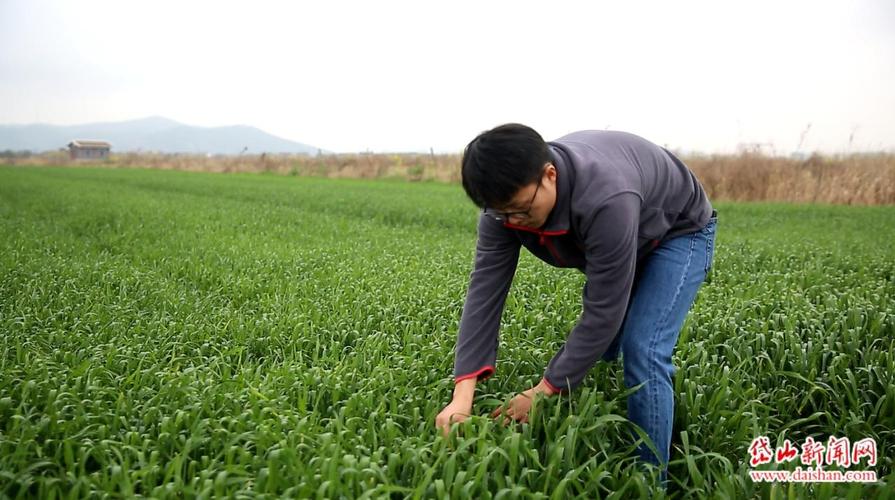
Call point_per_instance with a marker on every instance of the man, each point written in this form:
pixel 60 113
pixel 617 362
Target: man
pixel 627 213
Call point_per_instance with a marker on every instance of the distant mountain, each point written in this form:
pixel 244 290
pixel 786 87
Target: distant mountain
pixel 150 134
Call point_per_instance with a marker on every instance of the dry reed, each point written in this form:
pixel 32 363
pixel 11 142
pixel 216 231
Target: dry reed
pixel 853 179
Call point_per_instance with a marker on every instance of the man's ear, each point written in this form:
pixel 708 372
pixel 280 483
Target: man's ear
pixel 551 172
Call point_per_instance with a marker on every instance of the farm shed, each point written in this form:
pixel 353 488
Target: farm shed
pixel 80 149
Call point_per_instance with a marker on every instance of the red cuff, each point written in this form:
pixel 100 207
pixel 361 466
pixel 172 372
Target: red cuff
pixel 481 374
pixel 556 390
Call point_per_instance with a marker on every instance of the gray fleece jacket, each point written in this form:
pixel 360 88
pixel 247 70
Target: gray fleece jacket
pixel 617 197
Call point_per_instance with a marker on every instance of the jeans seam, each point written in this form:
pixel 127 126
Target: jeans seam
pixel 709 251
pixel 653 379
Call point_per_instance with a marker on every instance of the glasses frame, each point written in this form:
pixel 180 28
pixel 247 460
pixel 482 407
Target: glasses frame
pixel 501 216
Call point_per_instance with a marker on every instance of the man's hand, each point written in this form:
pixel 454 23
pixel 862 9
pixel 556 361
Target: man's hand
pixel 460 408
pixel 518 407
pixel 456 411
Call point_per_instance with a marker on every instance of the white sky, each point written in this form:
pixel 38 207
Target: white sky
pixel 406 76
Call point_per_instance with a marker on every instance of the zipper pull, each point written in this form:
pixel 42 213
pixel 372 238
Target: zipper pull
pixel 543 239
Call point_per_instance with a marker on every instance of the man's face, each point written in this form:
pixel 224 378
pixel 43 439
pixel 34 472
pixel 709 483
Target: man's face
pixel 532 204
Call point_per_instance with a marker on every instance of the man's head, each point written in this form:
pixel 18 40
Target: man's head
pixel 508 172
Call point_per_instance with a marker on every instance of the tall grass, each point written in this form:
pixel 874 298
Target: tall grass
pixel 848 179
pixel 854 179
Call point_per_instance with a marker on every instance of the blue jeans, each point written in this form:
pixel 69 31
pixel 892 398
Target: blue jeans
pixel 664 290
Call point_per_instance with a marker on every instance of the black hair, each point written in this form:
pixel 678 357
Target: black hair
pixel 500 161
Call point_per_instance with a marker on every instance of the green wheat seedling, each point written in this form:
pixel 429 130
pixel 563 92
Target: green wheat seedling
pixel 172 334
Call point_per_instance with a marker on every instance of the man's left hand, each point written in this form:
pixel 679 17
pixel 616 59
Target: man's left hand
pixel 518 407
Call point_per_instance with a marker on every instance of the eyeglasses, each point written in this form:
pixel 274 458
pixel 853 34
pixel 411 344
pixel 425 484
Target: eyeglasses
pixel 523 214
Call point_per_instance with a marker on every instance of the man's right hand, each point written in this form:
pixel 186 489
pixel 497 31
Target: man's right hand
pixel 460 408
pixel 456 411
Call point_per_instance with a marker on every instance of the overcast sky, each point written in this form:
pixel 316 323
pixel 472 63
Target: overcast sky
pixel 407 76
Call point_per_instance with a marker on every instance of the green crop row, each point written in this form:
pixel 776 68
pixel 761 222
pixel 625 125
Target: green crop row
pixel 173 334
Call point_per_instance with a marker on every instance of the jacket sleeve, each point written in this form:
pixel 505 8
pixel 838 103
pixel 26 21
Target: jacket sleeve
pixel 496 256
pixel 611 257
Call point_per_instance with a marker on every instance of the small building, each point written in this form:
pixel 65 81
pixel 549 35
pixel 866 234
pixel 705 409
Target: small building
pixel 80 149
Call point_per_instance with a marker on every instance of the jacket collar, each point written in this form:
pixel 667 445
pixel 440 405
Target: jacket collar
pixel 560 216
